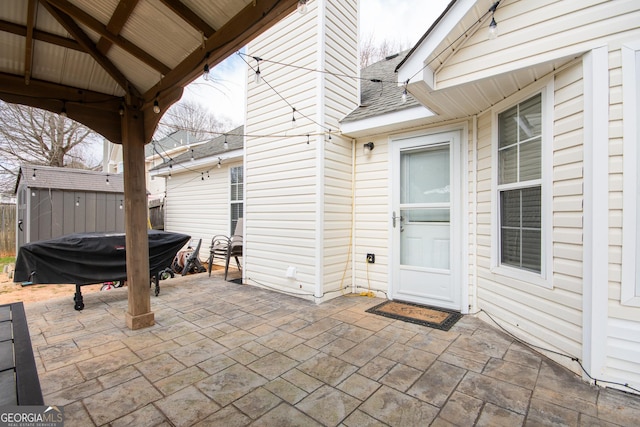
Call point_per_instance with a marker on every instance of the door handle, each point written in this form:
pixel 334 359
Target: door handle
pixel 394 217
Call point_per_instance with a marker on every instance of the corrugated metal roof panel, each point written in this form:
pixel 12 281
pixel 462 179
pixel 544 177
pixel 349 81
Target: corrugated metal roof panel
pixel 139 74
pixel 12 60
pixel 150 28
pixel 216 13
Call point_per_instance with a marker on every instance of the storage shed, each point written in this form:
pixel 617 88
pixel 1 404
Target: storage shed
pixel 56 201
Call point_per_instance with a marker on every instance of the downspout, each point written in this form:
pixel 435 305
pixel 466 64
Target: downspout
pixel 320 153
pixel 354 288
pixel 474 216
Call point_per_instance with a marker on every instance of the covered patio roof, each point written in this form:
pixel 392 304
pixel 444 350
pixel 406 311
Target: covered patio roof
pixel 92 58
pixel 116 66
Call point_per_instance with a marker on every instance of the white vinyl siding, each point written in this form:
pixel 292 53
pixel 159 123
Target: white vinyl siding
pixel 550 315
pixel 298 187
pixel 372 216
pixel 534 33
pixel 623 349
pixel 630 94
pixel 199 207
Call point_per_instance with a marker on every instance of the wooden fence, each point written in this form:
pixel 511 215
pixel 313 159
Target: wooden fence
pixel 7 230
pixel 156 214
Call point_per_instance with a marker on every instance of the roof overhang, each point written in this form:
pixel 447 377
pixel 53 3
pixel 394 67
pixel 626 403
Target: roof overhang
pixel 202 163
pixel 482 85
pixel 386 123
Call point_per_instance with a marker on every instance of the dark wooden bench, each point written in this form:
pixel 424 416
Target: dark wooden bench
pixel 19 383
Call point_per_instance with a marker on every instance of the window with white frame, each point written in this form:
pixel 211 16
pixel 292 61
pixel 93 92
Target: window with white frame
pixel 520 185
pixel 630 292
pixel 237 196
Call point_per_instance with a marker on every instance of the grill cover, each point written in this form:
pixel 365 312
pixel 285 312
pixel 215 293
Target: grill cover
pixel 86 258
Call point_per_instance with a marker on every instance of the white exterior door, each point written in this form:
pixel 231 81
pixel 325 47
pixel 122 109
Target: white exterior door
pixel 426 223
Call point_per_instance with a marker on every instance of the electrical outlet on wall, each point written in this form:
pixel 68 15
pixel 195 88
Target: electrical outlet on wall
pixel 371 258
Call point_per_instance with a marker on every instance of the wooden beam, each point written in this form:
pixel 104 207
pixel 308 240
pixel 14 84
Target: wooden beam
pixel 95 25
pixel 84 40
pixel 43 36
pixel 189 16
pixel 253 20
pixel 28 46
pixel 139 314
pixel 95 110
pixel 116 23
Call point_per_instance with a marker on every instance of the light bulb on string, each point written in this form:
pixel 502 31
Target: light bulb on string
pixel 493 26
pixel 63 112
pixel 156 107
pixel 205 73
pixel 293 119
pixel 219 162
pixel 302 7
pixel 493 29
pixel 257 79
pixel 226 144
pixel 404 92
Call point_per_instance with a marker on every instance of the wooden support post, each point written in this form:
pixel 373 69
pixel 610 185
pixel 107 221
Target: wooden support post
pixel 139 313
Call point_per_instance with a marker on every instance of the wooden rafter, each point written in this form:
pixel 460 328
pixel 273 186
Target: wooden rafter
pixel 255 18
pixel 189 17
pixel 96 110
pixel 28 46
pixel 76 13
pixel 76 32
pixel 116 23
pixel 21 30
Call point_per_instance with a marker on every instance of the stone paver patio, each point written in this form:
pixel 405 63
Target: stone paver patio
pixel 223 354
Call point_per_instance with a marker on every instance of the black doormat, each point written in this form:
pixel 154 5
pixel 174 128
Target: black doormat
pixel 432 317
pixel 236 281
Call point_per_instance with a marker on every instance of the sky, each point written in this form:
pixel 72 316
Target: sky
pixel 397 21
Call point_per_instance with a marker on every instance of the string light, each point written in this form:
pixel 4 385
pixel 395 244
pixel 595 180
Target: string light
pixel 302 7
pixel 202 176
pixel 78 201
pixel 258 77
pixel 107 182
pixel 205 73
pixel 192 158
pixel 156 106
pixel 226 144
pixel 219 162
pixel 33 177
pixel 404 92
pixel 293 119
pixel 493 26
pixel 63 112
pixel 120 204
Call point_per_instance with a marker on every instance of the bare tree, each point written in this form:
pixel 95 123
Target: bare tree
pixel 371 52
pixel 31 135
pixel 193 117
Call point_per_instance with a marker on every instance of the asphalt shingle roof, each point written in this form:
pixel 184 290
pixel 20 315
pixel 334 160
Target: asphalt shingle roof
pixel 214 147
pixel 69 179
pixel 383 97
